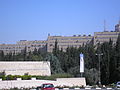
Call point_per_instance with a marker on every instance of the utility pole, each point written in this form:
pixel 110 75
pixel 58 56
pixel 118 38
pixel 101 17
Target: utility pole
pixel 99 55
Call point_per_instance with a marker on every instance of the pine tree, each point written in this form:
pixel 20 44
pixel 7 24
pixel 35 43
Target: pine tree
pixel 117 48
pixel 1 55
pixel 35 52
pixel 55 49
pixel 118 51
pixel 55 64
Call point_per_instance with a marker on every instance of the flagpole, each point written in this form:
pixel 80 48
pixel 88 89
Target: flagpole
pixel 81 74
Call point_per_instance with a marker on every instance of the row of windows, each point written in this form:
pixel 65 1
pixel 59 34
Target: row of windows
pixel 72 38
pixel 13 50
pixel 107 34
pixel 12 46
pixel 6 47
pixel 107 37
pixel 9 49
pixel 77 41
pixel 38 45
pixel 70 45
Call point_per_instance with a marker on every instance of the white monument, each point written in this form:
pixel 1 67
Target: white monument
pixel 81 64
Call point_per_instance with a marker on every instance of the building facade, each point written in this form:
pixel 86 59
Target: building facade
pixel 32 45
pixel 21 45
pixel 62 41
pixel 101 37
pixel 11 48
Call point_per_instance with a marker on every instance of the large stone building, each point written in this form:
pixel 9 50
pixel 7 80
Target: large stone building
pixel 63 42
pixel 71 41
pixel 21 45
pixel 31 45
pixel 100 37
pixel 11 48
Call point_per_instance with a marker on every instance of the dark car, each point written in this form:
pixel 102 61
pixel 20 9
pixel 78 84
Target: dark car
pixel 46 86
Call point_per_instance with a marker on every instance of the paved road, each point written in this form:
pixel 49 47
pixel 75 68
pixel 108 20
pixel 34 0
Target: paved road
pixel 89 89
pixel 86 89
pixel 92 89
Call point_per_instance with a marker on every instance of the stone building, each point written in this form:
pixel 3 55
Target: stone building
pixel 31 45
pixel 63 42
pixel 11 48
pixel 100 37
pixel 21 45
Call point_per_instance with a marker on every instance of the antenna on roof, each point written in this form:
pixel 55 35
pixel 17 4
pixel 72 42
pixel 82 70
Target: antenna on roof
pixel 104 25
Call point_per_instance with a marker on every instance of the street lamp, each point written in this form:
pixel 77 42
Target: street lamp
pixel 100 54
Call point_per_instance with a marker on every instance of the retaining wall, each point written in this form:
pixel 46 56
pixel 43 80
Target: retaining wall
pixel 22 67
pixel 34 83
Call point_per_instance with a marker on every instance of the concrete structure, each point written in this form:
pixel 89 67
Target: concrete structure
pixel 11 48
pixel 63 42
pixel 21 68
pixel 31 45
pixel 34 83
pixel 21 45
pixel 100 37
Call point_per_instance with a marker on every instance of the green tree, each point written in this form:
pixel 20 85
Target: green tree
pixel 117 58
pixel 1 55
pixel 91 76
pixel 117 47
pixel 35 52
pixel 55 64
pixel 56 49
pixel 24 53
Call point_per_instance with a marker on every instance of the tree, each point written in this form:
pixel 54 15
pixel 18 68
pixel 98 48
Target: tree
pixel 118 51
pixel 35 52
pixel 117 58
pixel 55 64
pixel 91 76
pixel 55 49
pixel 24 53
pixel 1 55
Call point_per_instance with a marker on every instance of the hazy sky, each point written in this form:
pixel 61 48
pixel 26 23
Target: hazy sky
pixel 34 19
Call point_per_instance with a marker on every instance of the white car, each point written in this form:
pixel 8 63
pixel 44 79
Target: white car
pixel 118 84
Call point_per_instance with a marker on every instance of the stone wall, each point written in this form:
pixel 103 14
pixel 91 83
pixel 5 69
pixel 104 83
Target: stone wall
pixel 21 68
pixel 34 83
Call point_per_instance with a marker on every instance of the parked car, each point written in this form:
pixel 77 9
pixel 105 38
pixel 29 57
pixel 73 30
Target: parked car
pixel 46 86
pixel 118 84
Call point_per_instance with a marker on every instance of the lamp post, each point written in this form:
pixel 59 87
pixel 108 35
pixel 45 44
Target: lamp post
pixel 99 55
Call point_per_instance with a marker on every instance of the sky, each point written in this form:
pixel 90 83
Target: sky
pixel 35 19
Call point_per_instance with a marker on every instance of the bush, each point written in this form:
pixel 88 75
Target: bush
pixel 28 77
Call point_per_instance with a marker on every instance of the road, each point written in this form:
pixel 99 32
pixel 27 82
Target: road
pixel 90 89
pixel 86 89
